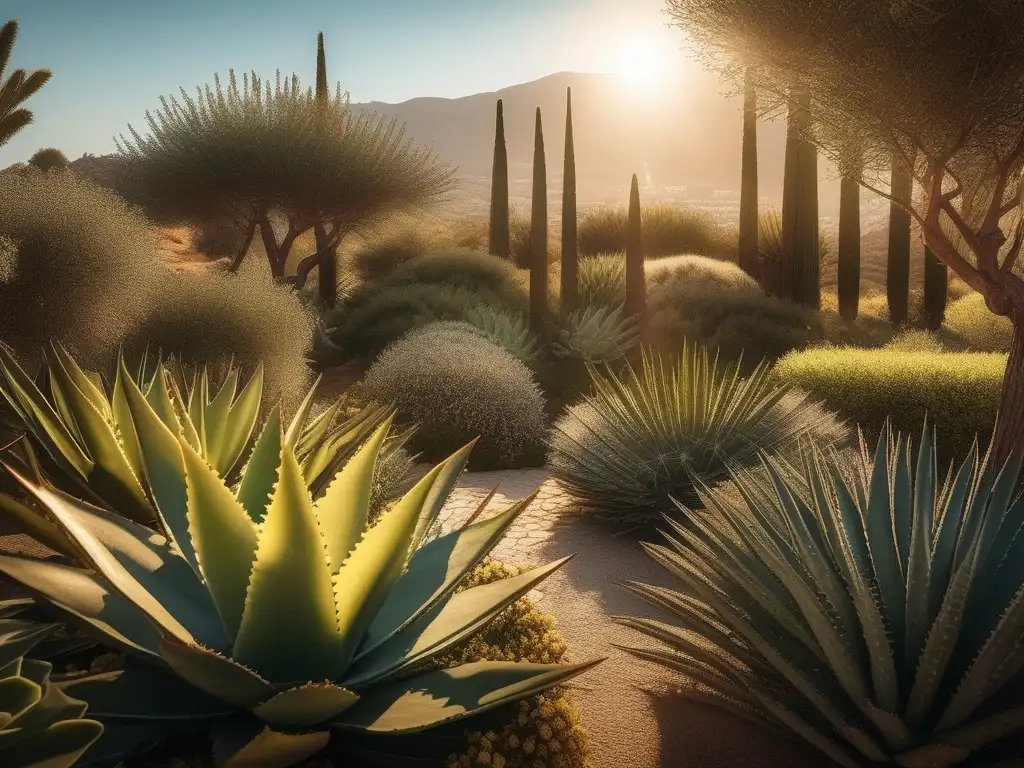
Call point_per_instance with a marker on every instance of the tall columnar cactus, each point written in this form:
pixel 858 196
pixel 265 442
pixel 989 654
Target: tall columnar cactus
pixel 327 255
pixel 499 241
pixel 801 280
pixel 936 289
pixel 636 293
pixel 897 277
pixel 748 257
pixel 539 235
pixel 570 245
pixel 848 277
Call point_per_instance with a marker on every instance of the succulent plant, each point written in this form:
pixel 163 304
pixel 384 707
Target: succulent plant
pixel 870 607
pixel 597 335
pixel 504 329
pixel 40 725
pixel 603 280
pixel 274 617
pixel 88 442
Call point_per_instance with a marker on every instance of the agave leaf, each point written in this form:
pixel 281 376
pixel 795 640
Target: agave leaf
pixel 434 571
pixel 260 475
pixel 298 421
pixel 241 423
pixel 59 746
pixel 81 379
pixel 224 538
pixel 145 693
pixel 284 637
pixel 376 563
pixel 452 469
pixel 159 399
pixel 121 416
pixel 322 461
pixel 17 638
pixel 244 747
pixel 215 674
pixel 458 617
pixel 216 420
pixel 38 527
pixel 164 470
pixel 306 705
pixel 920 544
pixel 342 511
pixel 83 596
pixel 441 696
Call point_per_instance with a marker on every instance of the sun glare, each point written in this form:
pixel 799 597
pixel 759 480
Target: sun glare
pixel 641 62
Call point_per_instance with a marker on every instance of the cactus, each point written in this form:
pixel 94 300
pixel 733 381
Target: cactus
pixel 848 277
pixel 636 293
pixel 897 277
pixel 327 255
pixel 539 235
pixel 499 242
pixel 936 289
pixel 800 241
pixel 570 245
pixel 748 259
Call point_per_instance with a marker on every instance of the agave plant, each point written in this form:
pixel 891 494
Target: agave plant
pixel 871 610
pixel 597 335
pixel 88 444
pixel 644 437
pixel 505 329
pixel 275 617
pixel 40 725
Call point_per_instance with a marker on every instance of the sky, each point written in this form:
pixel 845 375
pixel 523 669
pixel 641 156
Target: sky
pixel 112 59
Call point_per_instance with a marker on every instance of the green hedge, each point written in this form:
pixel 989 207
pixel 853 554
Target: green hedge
pixel 959 391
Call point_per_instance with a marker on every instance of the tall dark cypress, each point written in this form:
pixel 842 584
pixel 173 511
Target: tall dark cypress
pixel 570 245
pixel 936 289
pixel 636 292
pixel 327 257
pixel 748 185
pixel 801 255
pixel 897 277
pixel 848 278
pixel 499 241
pixel 539 235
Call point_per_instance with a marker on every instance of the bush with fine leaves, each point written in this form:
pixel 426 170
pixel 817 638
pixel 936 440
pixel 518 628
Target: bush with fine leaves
pixel 647 436
pixel 456 386
pixel 463 268
pixel 970 319
pixel 76 264
pixel 667 230
pixel 205 316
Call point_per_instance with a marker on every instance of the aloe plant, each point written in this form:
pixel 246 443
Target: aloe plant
pixel 87 439
pixel 869 607
pixel 276 617
pixel 40 725
pixel 597 334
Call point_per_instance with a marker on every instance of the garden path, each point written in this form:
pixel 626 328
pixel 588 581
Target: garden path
pixel 634 719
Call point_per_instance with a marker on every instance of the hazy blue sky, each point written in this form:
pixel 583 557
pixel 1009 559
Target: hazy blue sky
pixel 112 59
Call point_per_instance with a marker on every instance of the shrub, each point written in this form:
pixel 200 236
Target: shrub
pixel 463 268
pixel 602 280
pixel 667 230
pixel 473 233
pixel 77 265
pixel 716 304
pixel 915 341
pixel 204 316
pixel 983 331
pixel 49 159
pixel 372 319
pixel 401 241
pixel 769 250
pixel 457 386
pixel 869 607
pixel 644 437
pixel 959 392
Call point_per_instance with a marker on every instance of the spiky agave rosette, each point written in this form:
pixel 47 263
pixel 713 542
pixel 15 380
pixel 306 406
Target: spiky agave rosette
pixel 273 616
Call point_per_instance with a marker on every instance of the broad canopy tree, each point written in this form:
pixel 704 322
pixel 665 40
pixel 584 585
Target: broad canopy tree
pixel 939 83
pixel 255 153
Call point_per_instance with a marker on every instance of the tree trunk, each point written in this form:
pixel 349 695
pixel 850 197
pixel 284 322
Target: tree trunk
pixel 936 289
pixel 800 240
pixel 271 247
pixel 1008 439
pixel 244 249
pixel 327 267
pixel 897 277
pixel 748 258
pixel 848 268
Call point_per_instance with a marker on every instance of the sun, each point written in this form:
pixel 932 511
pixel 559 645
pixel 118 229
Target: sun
pixel 641 62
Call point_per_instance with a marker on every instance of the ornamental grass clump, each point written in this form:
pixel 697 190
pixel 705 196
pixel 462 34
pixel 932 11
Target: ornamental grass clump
pixel 272 618
pixel 645 437
pixel 871 607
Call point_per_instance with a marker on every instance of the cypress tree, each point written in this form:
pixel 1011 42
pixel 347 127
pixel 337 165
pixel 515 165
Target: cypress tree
pixel 636 292
pixel 897 282
pixel 848 277
pixel 748 258
pixel 801 279
pixel 936 289
pixel 499 241
pixel 327 257
pixel 570 246
pixel 539 235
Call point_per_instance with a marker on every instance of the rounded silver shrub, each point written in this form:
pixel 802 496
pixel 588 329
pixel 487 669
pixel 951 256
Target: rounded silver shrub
pixel 457 386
